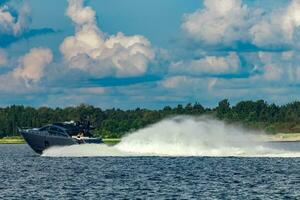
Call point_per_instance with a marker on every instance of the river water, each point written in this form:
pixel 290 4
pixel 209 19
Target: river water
pixel 26 175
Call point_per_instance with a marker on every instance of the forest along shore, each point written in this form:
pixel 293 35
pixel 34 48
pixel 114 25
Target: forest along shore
pixel 115 123
pixel 279 137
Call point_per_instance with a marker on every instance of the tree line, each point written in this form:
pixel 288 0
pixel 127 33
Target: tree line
pixel 113 123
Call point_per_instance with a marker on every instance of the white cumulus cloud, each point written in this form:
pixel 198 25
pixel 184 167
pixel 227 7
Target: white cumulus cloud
pixel 92 51
pixel 220 22
pixel 228 22
pixel 208 65
pixel 14 24
pixel 26 75
pixel 32 65
pixel 279 27
pixel 174 81
pixel 282 67
pixel 272 72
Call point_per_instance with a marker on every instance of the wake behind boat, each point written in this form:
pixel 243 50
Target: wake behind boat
pixel 59 134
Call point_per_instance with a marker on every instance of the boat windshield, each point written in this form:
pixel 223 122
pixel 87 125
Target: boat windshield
pixel 44 128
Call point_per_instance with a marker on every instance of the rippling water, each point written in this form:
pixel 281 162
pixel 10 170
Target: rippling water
pixel 24 174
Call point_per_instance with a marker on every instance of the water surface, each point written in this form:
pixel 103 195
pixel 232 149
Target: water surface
pixel 27 175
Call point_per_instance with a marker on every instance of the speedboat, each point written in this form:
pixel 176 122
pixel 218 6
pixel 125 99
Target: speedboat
pixel 59 134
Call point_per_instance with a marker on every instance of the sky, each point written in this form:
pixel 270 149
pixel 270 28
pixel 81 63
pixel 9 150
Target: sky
pixel 150 54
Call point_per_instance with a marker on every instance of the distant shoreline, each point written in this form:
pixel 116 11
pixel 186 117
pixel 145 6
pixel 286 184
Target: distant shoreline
pixel 283 137
pixel 20 140
pixel 279 137
pixel 12 140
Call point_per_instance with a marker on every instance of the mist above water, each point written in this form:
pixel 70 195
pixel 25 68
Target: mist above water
pixel 181 136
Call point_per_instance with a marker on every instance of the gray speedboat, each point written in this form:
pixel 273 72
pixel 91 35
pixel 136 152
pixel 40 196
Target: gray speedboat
pixel 59 134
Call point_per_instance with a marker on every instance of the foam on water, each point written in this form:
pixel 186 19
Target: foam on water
pixel 181 136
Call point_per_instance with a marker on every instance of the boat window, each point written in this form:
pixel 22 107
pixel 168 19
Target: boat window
pixel 55 131
pixel 45 128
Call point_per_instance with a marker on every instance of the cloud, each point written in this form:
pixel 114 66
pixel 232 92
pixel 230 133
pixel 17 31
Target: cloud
pixel 186 89
pixel 208 65
pixel 174 81
pixel 14 24
pixel 81 15
pixel 92 51
pixel 3 57
pixel 212 83
pixel 102 68
pixel 283 68
pixel 15 18
pixel 272 72
pixel 93 90
pixel 186 84
pixel 26 76
pixel 220 22
pixel 208 91
pixel 231 22
pixel 281 27
pixel 32 65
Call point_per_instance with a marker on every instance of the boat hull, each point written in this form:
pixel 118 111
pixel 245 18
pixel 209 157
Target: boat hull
pixel 39 142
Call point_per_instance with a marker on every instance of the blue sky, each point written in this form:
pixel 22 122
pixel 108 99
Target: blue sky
pixel 138 53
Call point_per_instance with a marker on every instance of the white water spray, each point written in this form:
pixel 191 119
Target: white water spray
pixel 181 136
